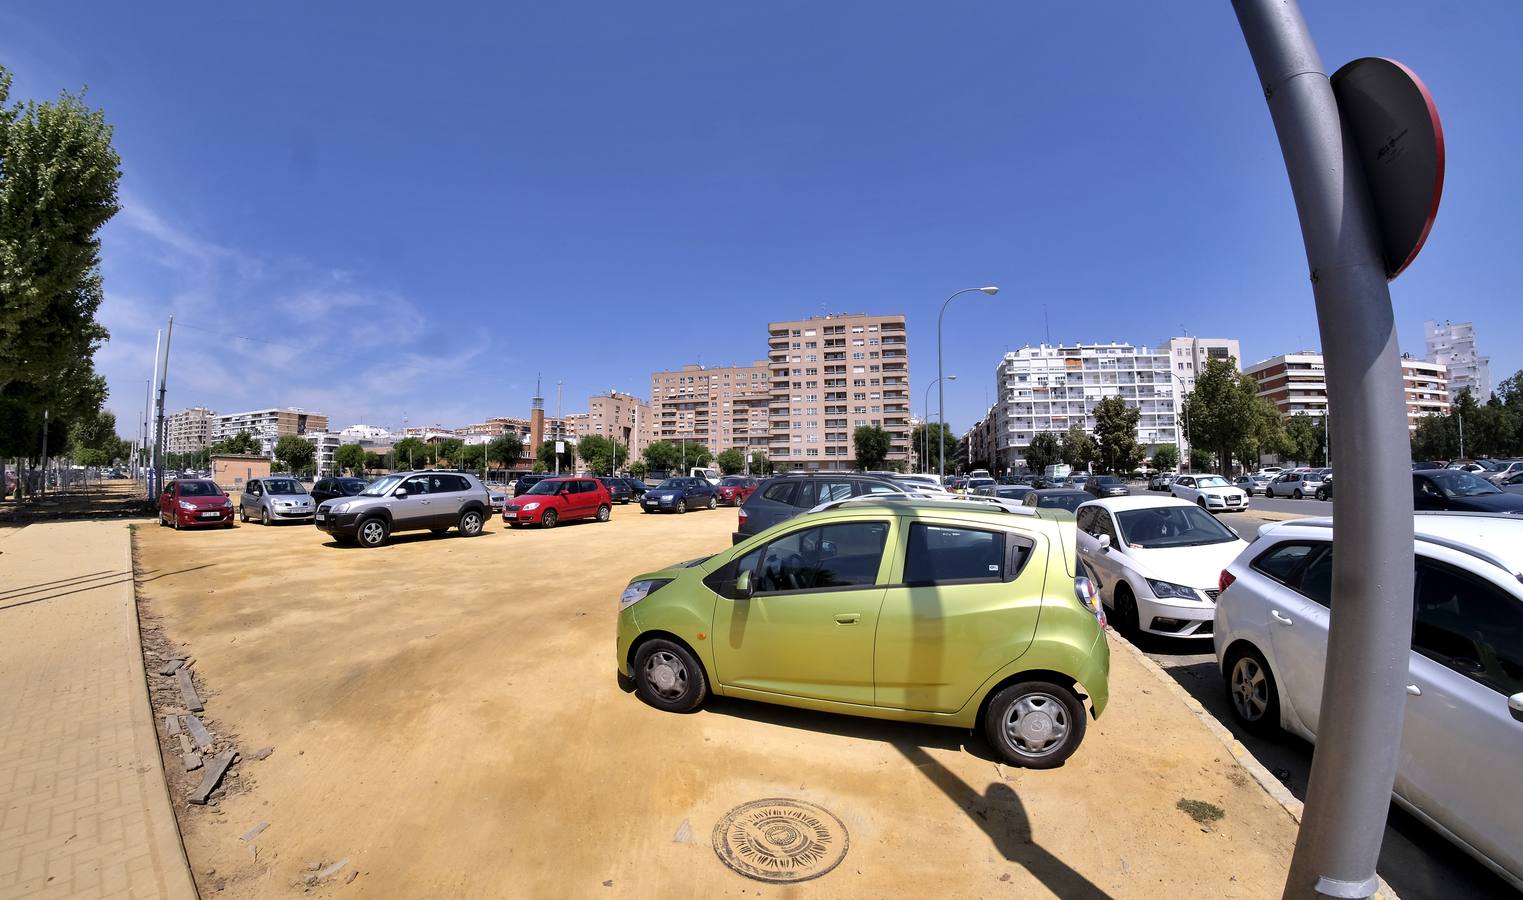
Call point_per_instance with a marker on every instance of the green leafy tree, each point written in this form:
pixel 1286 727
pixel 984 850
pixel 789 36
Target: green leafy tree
pixel 241 444
pixel 374 461
pixel 505 450
pixel 760 464
pixel 1436 437
pixel 547 457
pixel 470 457
pixel 1045 450
pixel 691 454
pixel 93 438
pixel 731 461
pixel 411 452
pixel 638 469
pixel 350 458
pixel 1166 457
pixel 1224 412
pixel 295 453
pixel 872 445
pixel 1116 435
pixel 660 456
pixel 1201 460
pixel 58 184
pixel 926 448
pixel 1078 448
pixel 602 455
pixel 1303 439
pixel 448 450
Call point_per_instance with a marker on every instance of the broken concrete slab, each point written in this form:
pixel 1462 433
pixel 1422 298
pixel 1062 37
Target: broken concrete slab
pixel 171 725
pixel 188 691
pixel 212 777
pixel 263 752
pixel 174 664
pixel 191 760
pixel 254 832
pixel 198 731
pixel 332 870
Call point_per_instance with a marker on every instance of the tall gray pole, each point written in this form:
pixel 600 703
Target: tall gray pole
pixel 158 434
pixel 153 474
pixel 941 392
pixel 1369 633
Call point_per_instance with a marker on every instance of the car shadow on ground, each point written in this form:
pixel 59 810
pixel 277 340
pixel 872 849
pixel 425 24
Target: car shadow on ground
pixel 998 811
pixel 405 538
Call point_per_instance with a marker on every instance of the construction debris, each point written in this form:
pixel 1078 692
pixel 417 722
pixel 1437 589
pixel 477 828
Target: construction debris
pixel 198 731
pixel 188 690
pixel 263 752
pixel 332 870
pixel 169 668
pixel 212 776
pixel 171 725
pixel 254 832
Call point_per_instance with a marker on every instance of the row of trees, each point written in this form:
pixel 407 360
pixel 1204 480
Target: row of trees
pixel 1474 429
pixel 58 187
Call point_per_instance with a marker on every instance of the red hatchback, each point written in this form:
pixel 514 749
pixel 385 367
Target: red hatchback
pixel 734 489
pixel 187 502
pixel 555 500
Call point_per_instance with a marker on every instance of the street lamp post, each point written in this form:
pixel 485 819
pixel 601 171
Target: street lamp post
pixel 941 393
pixel 1185 417
pixel 926 425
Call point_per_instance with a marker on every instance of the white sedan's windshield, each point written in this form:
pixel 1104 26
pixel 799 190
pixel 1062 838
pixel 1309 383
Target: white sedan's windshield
pixel 1171 526
pixel 1211 481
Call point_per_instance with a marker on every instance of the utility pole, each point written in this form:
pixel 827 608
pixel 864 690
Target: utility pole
pixel 43 488
pixel 153 475
pixel 1458 415
pixel 158 435
pixel 1369 633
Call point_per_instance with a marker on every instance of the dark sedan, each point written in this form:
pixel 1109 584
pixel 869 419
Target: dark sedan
pixel 679 495
pixel 1458 491
pixel 1066 499
pixel 1106 486
pixel 618 489
pixel 336 488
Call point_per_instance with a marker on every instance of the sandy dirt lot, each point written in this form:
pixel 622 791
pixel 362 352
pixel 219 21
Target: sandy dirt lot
pixel 445 714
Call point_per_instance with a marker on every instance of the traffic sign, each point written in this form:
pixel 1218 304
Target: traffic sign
pixel 1393 124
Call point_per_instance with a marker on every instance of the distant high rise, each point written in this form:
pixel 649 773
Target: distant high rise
pixel 1453 344
pixel 189 430
pixel 720 406
pixel 269 425
pixel 1296 383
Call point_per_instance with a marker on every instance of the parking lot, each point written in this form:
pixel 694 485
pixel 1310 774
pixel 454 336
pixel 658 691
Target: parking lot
pixel 445 714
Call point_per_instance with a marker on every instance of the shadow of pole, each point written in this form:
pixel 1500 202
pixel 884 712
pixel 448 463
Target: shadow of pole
pixel 1002 816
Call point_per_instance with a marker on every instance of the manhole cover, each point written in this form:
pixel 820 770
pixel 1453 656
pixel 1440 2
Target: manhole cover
pixel 780 840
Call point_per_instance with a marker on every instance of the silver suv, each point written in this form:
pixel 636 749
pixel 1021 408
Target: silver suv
pixel 407 501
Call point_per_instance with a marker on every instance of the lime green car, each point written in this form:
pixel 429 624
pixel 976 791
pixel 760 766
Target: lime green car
pixel 974 615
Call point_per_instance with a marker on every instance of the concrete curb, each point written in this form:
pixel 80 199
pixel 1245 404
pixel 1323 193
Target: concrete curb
pixel 163 827
pixel 1255 769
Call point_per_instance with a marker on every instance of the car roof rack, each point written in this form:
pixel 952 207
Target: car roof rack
pixel 1447 543
pixel 954 503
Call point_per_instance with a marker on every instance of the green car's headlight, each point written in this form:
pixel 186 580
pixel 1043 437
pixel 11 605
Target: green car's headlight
pixel 639 590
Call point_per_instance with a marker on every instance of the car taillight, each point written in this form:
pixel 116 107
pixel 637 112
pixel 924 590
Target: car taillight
pixel 1225 580
pixel 742 515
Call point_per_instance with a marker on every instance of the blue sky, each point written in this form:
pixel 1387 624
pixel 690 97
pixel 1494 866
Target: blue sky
pixel 414 209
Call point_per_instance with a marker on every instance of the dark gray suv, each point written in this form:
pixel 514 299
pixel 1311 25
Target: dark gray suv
pixel 782 497
pixel 408 501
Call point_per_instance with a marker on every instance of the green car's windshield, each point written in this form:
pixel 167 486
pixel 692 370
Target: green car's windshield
pixel 382 487
pixel 1171 526
pixel 283 486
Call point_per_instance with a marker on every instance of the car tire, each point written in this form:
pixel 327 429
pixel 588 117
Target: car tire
pixel 713 503
pixel 604 512
pixel 681 507
pixel 669 677
pixel 470 523
pixel 372 532
pixel 1297 495
pixel 1035 724
pixel 1201 502
pixel 1124 604
pixel 264 517
pixel 1321 493
pixel 549 519
pixel 176 523
pixel 243 514
pixel 1252 694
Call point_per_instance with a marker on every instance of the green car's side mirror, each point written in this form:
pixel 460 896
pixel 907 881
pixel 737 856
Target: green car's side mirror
pixel 743 587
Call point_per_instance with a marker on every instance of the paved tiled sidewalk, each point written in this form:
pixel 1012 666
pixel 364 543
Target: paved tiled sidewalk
pixel 83 807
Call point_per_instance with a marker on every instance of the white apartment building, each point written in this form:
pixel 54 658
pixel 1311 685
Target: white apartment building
pixel 1188 357
pixel 368 436
pixel 1052 387
pixel 189 430
pixel 269 425
pixel 1453 344
pixel 1426 385
pixel 325 444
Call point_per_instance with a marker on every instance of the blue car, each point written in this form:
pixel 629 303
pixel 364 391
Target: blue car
pixel 680 495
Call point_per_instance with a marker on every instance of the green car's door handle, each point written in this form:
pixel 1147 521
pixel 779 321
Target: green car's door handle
pixel 848 618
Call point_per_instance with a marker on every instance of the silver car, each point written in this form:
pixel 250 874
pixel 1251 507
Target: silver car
pixel 275 498
pixel 408 501
pixel 1294 484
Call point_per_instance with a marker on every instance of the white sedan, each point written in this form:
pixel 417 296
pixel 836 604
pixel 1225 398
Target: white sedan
pixel 1209 492
pixel 1464 716
pixel 1156 561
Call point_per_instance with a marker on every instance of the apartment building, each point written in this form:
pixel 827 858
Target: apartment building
pixel 324 445
pixel 1293 382
pixel 189 430
pixel 719 406
pixel 269 425
pixel 1188 357
pixel 1453 344
pixel 368 436
pixel 830 375
pixel 1426 385
pixel 1053 387
pixel 622 418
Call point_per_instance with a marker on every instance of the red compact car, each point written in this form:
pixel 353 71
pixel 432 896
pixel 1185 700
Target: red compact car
pixel 734 489
pixel 188 502
pixel 555 500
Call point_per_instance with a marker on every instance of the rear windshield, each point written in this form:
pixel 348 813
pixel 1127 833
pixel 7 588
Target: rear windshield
pixel 1068 501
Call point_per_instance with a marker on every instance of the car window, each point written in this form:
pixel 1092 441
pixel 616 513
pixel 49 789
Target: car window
pixel 942 555
pixel 1283 560
pixel 1184 525
pixel 781 492
pixel 1424 487
pixel 418 484
pixel 1316 581
pixel 1068 500
pixel 827 491
pixel 830 556
pixel 873 487
pixel 1470 626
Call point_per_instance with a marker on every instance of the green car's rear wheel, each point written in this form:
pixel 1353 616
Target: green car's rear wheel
pixel 668 677
pixel 1035 724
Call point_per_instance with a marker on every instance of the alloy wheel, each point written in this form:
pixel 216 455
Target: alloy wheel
pixel 1250 689
pixel 1036 724
pixel 470 523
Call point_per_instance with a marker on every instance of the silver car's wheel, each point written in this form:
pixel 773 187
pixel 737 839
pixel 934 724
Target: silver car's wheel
pixel 264 517
pixel 470 523
pixel 243 513
pixel 372 533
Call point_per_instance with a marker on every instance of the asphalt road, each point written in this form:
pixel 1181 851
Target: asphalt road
pixel 1417 862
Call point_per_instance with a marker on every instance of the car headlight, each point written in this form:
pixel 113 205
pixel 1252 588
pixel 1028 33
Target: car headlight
pixel 186 504
pixel 1166 589
pixel 639 590
pixel 530 507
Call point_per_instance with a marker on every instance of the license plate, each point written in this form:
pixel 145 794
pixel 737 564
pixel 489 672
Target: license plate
pixel 211 515
pixel 321 516
pixel 510 515
pixel 651 503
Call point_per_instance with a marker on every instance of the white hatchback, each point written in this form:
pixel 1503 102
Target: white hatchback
pixel 1464 721
pixel 1209 492
pixel 1156 561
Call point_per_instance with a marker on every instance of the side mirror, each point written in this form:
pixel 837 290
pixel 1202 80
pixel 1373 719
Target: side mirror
pixel 400 493
pixel 1104 541
pixel 1515 706
pixel 743 588
pixel 827 549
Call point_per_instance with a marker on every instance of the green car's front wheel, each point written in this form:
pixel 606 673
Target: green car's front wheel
pixel 667 676
pixel 1035 724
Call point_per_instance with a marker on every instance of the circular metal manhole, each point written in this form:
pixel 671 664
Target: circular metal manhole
pixel 780 840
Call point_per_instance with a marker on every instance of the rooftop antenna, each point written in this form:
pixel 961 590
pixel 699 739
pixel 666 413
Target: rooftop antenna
pixel 1047 322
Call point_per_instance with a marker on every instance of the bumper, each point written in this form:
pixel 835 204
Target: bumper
pixel 520 517
pixel 1176 618
pixel 189 519
pixel 658 504
pixel 338 524
pixel 1222 503
pixel 1096 676
pixel 629 629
